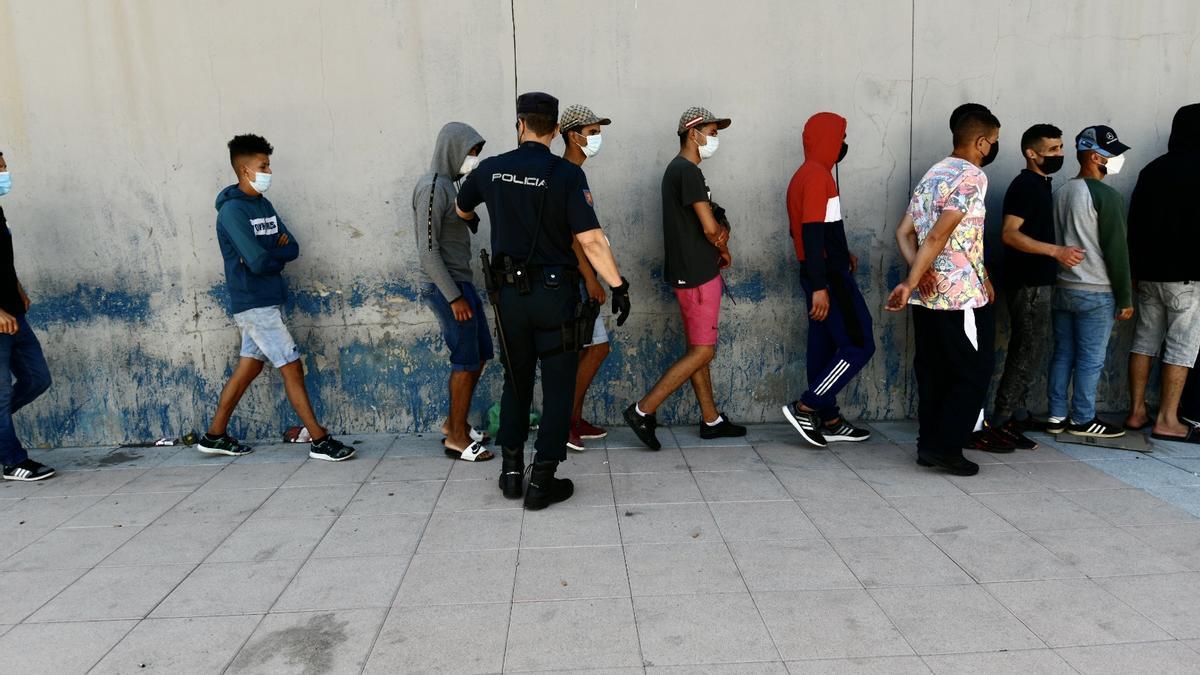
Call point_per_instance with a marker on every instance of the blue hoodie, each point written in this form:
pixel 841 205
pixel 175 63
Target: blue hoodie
pixel 248 231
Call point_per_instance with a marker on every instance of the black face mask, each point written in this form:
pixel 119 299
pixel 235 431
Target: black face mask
pixel 1051 164
pixel 991 156
pixel 842 153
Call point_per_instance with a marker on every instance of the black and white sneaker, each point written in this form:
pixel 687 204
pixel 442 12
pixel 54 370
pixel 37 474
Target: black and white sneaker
pixel 1097 428
pixel 1054 426
pixel 724 428
pixel 807 423
pixel 844 432
pixel 643 426
pixel 330 449
pixel 28 470
pixel 222 445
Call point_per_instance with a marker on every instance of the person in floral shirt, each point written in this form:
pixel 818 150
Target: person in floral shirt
pixel 941 237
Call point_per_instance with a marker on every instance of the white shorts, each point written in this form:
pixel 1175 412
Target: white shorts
pixel 264 337
pixel 1168 318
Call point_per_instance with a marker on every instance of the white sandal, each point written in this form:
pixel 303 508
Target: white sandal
pixel 469 454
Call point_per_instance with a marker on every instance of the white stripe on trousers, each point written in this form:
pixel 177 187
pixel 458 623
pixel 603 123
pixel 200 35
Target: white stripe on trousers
pixel 838 370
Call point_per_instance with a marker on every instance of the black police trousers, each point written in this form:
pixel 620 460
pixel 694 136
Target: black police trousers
pixel 533 329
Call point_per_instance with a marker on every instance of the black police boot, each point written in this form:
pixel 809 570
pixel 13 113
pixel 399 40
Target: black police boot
pixel 512 471
pixel 544 488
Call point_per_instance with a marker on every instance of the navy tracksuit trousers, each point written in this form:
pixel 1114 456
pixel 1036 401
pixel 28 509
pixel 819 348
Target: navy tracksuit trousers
pixel 839 346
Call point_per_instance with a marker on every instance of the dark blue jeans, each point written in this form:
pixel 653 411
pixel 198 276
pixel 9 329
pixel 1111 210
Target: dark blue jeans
pixel 24 376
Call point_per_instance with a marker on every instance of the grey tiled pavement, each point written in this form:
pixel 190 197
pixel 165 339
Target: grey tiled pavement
pixel 751 556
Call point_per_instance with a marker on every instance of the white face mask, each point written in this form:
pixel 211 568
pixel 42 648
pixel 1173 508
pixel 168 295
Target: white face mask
pixel 1114 165
pixel 262 182
pixel 592 147
pixel 468 165
pixel 710 149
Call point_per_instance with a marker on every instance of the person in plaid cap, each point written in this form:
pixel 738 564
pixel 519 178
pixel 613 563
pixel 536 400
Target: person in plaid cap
pixel 580 129
pixel 697 249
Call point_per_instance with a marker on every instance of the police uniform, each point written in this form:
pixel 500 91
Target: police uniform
pixel 538 295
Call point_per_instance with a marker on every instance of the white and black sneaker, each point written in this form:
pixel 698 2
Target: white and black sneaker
pixel 807 423
pixel 844 432
pixel 330 449
pixel 1097 428
pixel 28 470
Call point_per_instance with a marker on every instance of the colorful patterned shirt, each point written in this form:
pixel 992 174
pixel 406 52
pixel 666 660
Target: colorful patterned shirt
pixel 953 184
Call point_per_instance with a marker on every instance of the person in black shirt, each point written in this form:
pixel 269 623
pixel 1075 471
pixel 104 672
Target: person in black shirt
pixel 24 374
pixel 1031 260
pixel 538 205
pixel 696 250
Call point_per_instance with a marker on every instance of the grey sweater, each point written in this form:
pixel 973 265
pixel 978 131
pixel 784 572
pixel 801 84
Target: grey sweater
pixel 444 239
pixel 1091 215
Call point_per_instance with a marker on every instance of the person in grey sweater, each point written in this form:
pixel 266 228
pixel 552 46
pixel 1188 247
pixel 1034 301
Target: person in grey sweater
pixel 1087 298
pixel 447 281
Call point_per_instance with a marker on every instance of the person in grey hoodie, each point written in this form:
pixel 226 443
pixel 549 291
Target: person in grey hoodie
pixel 447 282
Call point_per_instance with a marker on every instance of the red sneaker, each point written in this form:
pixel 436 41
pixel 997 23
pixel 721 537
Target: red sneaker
pixel 587 430
pixel 574 442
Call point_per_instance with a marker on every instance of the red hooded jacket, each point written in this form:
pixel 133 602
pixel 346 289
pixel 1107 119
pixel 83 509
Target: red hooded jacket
pixel 814 207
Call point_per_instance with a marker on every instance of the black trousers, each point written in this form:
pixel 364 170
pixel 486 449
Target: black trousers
pixel 1189 404
pixel 533 327
pixel 953 362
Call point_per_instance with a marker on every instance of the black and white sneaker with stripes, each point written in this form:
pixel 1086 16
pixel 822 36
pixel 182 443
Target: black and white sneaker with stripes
pixel 1097 428
pixel 807 423
pixel 28 470
pixel 844 432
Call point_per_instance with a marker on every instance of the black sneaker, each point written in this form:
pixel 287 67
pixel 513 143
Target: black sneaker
pixel 844 432
pixel 1056 426
pixel 989 439
pixel 1097 428
pixel 330 449
pixel 28 470
pixel 643 426
pixel 959 466
pixel 222 445
pixel 723 429
pixel 1014 432
pixel 807 423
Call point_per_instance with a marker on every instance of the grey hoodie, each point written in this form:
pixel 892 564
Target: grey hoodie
pixel 444 241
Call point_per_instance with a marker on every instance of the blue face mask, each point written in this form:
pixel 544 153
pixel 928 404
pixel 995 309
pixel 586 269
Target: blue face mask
pixel 5 183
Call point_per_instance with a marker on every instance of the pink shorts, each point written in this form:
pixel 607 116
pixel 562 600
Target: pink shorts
pixel 701 310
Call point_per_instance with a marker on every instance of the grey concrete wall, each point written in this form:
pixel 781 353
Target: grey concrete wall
pixel 114 115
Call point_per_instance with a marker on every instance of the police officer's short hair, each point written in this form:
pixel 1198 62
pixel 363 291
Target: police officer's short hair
pixel 540 124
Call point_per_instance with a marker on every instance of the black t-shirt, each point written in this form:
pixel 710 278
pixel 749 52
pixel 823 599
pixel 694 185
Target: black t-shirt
pixel 1029 197
pixel 690 260
pixel 512 186
pixel 10 293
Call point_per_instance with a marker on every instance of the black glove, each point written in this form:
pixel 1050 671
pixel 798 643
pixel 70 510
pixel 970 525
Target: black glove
pixel 620 301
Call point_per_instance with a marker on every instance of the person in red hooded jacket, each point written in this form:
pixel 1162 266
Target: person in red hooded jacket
pixel 840 340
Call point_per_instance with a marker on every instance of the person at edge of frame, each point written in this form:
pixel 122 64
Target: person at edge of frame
pixel 538 204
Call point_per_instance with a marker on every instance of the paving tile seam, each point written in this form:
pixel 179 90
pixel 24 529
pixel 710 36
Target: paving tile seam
pixel 393 606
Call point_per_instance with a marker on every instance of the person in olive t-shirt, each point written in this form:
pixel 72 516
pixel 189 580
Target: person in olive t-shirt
pixel 24 374
pixel 696 249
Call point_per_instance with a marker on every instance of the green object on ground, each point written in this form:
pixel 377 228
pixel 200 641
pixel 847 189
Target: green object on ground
pixel 493 419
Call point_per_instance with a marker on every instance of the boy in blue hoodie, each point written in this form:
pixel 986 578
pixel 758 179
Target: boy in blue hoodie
pixel 256 245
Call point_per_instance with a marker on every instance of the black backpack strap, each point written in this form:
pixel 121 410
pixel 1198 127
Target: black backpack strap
pixel 429 231
pixel 537 230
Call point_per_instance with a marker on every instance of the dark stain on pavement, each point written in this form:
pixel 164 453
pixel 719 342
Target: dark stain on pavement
pixel 306 649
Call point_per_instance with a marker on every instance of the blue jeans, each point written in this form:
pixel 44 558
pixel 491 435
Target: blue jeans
pixel 24 376
pixel 1082 321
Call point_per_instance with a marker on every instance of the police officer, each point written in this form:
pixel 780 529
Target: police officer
pixel 538 203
